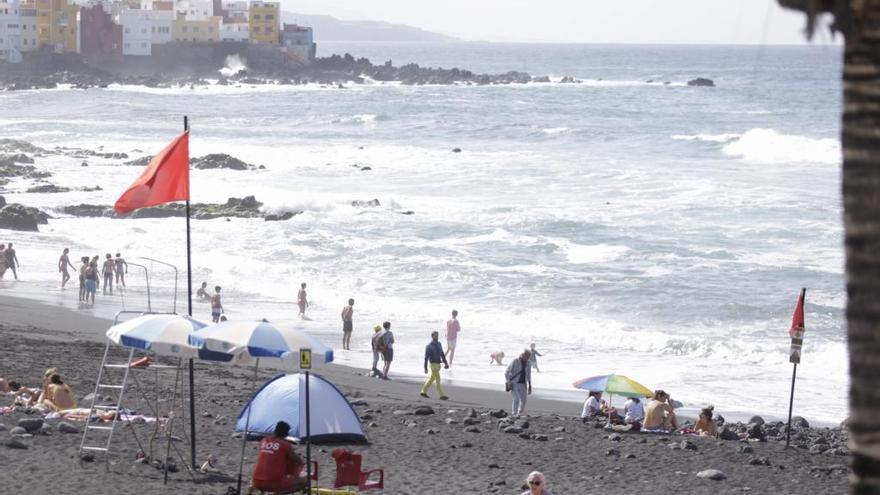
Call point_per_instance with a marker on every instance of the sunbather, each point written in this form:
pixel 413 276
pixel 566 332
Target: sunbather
pixel 44 394
pixel 706 426
pixel 62 397
pixel 660 415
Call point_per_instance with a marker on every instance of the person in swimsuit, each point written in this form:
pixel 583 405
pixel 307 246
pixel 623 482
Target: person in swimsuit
pixel 63 265
pixel 107 271
pixel 347 324
pixel 534 358
pixel 91 276
pixel 496 357
pixel 121 270
pixel 61 397
pixel 706 426
pixel 659 414
pixel 202 293
pixel 301 300
pixel 82 278
pixel 3 266
pixel 452 329
pixel 216 305
pixel 11 259
pixel 388 353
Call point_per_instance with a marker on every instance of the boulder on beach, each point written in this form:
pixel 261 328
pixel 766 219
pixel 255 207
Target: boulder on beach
pixel 47 188
pixel 18 217
pixel 370 203
pixel 220 160
pixel 702 81
pixel 712 474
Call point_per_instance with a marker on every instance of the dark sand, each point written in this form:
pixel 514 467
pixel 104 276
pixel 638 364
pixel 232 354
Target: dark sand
pixel 420 454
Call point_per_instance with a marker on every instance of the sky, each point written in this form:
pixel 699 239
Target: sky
pixel 582 21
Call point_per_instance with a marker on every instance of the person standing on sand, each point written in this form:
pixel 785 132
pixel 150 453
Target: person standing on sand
pixel 3 266
pixel 435 355
pixel 91 276
pixel 11 260
pixel 378 346
pixel 534 357
pixel 107 271
pixel 452 329
pixel 388 353
pixel 347 324
pixel 301 300
pixel 63 265
pixel 216 305
pixel 519 382
pixel 121 270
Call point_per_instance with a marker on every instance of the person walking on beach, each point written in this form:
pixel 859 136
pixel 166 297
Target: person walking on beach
pixel 11 260
pixel 434 355
pixel 121 270
pixel 519 381
pixel 216 305
pixel 91 276
pixel 388 353
pixel 3 266
pixel 107 271
pixel 452 329
pixel 301 300
pixel 347 324
pixel 534 357
pixel 63 265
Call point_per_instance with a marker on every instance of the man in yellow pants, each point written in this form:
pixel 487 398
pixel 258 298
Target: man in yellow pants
pixel 434 355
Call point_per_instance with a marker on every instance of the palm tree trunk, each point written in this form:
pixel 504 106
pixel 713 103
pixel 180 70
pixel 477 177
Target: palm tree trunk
pixel 861 201
pixel 859 21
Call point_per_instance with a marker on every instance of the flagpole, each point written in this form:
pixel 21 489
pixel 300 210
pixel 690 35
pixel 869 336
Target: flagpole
pixel 796 347
pixel 189 301
pixel 790 406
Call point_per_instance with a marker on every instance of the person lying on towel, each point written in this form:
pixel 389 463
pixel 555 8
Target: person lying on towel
pixel 278 468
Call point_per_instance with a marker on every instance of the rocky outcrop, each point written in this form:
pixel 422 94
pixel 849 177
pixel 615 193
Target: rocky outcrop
pixel 14 216
pixel 47 188
pixel 221 160
pixel 702 81
pixel 372 203
pixel 247 207
pixel 9 145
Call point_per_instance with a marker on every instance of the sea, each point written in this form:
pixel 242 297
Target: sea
pixel 625 224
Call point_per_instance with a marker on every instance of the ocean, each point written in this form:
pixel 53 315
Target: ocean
pixel 627 224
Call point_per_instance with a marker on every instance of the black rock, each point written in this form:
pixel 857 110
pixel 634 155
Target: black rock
pixel 498 413
pixel 15 443
pixel 614 452
pixel 31 425
pixel 727 434
pixel 757 432
pixel 47 188
pixel 513 429
pixel 65 427
pixel 372 203
pixel 702 81
pixel 287 215
pixel 220 160
pixel 456 150
pixel 756 420
pixel 687 445
pixel 758 461
pixel 471 429
pixel 471 413
pixel 746 449
pixel 423 411
pixel 471 421
pixel 539 438
pixel 799 422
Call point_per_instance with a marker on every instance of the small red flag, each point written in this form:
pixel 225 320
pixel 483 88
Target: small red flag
pixel 165 179
pixel 797 319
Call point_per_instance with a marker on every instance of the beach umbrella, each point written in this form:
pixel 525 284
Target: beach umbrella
pixel 261 341
pixel 164 335
pixel 614 384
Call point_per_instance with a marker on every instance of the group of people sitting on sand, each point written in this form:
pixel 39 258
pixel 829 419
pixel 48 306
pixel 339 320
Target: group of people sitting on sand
pixel 53 395
pixel 658 416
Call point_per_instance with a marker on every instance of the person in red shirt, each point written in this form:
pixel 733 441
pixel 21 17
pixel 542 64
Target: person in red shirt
pixel 278 468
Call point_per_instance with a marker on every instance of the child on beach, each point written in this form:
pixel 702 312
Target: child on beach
pixel 496 357
pixel 534 359
pixel 216 305
pixel 302 301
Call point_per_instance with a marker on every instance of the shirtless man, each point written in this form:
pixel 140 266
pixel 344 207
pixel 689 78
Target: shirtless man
pixel 121 270
pixel 82 278
pixel 63 265
pixel 347 324
pixel 216 305
pixel 659 413
pixel 107 271
pixel 452 329
pixel 202 293
pixel 11 259
pixel 302 301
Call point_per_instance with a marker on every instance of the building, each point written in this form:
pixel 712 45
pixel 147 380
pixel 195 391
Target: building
pixel 28 31
pixel 57 25
pixel 100 35
pixel 298 44
pixel 193 10
pixel 137 33
pixel 235 25
pixel 205 30
pixel 10 38
pixel 160 29
pixel 234 31
pixel 264 21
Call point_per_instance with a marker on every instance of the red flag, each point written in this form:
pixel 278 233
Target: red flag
pixel 165 179
pixel 797 319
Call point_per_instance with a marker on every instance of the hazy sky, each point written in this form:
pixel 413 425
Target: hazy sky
pixel 587 21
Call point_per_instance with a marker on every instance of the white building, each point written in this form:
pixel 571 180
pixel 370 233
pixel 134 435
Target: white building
pixel 137 35
pixel 10 38
pixel 28 34
pixel 234 31
pixel 161 26
pixel 194 10
pixel 234 11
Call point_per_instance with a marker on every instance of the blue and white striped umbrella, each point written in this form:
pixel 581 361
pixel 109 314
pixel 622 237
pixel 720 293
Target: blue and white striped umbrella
pixel 164 335
pixel 252 340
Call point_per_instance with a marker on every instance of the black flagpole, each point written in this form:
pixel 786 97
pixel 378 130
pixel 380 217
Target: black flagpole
pixel 189 300
pixel 801 300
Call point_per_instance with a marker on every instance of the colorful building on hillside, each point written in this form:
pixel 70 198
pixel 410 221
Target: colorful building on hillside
pixel 57 22
pixel 298 44
pixel 193 9
pixel 235 25
pixel 204 30
pixel 265 18
pixel 100 35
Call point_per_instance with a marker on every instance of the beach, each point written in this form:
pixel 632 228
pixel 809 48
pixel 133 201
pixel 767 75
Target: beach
pixel 420 454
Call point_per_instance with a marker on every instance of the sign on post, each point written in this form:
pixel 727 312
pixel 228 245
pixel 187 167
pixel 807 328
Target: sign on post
pixel 305 359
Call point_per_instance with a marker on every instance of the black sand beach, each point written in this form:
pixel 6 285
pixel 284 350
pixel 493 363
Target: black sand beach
pixel 420 454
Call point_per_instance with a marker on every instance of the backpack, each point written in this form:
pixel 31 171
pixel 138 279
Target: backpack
pixel 379 342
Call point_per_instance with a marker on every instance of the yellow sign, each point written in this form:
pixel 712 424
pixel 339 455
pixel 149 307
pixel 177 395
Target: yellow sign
pixel 305 359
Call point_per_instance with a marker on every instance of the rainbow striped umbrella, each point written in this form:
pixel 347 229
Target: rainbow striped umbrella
pixel 614 384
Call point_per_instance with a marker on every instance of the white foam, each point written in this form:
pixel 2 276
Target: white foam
pixel 711 138
pixel 770 146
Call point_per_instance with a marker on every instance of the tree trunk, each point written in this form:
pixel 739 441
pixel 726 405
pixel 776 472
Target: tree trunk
pixel 861 201
pixel 859 21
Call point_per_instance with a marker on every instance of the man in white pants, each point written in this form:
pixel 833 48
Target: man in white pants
pixel 519 382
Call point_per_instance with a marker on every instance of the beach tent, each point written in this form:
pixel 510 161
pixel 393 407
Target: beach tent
pixel 282 398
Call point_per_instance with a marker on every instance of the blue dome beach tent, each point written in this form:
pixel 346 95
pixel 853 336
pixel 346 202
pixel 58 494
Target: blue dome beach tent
pixel 333 419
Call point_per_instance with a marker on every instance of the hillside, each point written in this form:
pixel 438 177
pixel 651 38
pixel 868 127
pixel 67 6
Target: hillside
pixel 328 28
